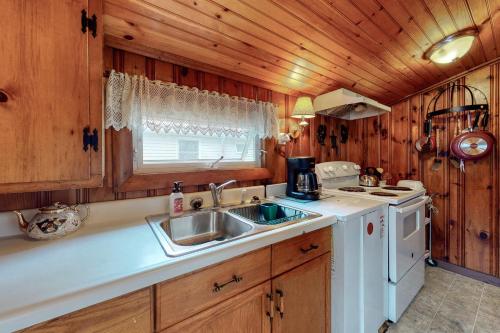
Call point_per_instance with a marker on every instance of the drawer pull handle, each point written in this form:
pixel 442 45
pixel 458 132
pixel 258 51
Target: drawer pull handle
pixel 270 313
pixel 218 287
pixel 310 248
pixel 281 303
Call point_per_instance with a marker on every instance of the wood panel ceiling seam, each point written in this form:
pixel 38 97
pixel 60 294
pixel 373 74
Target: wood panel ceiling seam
pixel 299 51
pixel 229 8
pixel 413 28
pixel 458 10
pixel 178 47
pixel 438 26
pixel 422 47
pixel 373 47
pixel 485 26
pixel 381 62
pixel 131 17
pixel 402 69
pixel 418 60
pixel 370 90
pixel 120 43
pixel 476 26
pixel 192 25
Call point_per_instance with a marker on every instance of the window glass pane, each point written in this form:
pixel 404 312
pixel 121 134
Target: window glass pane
pixel 188 150
pixel 161 148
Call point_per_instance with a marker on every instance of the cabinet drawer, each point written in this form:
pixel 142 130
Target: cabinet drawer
pixel 296 251
pixel 187 295
pixel 129 313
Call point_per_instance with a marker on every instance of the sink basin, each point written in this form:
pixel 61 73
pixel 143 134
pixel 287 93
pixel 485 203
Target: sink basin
pixel 200 230
pixel 204 227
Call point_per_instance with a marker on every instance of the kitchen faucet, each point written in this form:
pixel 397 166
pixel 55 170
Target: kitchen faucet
pixel 217 191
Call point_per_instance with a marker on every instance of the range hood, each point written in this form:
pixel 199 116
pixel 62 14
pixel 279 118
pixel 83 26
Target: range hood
pixel 345 104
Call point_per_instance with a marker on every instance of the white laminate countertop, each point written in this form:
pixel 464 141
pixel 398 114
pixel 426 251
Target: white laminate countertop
pixel 116 252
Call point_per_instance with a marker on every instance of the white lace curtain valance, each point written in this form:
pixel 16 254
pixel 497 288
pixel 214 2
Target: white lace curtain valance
pixel 135 102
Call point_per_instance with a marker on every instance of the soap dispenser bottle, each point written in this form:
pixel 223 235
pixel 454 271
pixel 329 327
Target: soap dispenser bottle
pixel 176 200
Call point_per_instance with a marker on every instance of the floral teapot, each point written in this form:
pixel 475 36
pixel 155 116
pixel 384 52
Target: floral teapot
pixel 52 221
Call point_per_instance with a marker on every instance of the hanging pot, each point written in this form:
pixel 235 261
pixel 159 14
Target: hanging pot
pixel 474 144
pixel 426 143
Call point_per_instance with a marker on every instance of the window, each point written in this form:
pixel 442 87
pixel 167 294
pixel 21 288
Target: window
pixel 156 152
pixel 188 150
pixel 181 129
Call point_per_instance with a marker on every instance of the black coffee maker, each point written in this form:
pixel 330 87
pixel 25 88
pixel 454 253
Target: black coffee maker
pixel 302 181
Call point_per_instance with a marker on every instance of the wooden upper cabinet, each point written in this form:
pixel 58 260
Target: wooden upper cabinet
pixel 50 90
pixel 302 298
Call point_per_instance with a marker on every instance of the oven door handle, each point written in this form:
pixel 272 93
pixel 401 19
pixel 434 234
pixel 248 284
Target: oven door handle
pixel 407 209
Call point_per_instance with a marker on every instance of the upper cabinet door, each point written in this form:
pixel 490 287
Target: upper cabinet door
pixel 50 90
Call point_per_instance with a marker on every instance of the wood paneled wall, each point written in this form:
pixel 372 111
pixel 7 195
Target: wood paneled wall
pixel 155 69
pixel 468 202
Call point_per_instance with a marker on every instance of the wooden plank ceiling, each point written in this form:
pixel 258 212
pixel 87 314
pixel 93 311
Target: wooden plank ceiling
pixel 373 47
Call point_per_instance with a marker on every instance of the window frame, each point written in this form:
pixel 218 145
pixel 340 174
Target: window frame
pixel 140 168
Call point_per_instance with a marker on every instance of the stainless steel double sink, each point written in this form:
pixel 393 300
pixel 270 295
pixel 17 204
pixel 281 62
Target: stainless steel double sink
pixel 211 227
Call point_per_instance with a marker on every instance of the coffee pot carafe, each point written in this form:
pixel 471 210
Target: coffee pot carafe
pixel 302 182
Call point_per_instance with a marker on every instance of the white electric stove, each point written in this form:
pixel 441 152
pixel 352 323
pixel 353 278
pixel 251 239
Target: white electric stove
pixel 404 249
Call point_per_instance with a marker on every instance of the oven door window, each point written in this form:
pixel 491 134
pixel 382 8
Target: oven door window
pixel 410 225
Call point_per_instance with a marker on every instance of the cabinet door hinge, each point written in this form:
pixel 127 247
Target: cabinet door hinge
pixel 90 139
pixel 90 23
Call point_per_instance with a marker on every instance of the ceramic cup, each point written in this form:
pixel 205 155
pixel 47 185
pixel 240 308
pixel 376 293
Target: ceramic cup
pixel 269 210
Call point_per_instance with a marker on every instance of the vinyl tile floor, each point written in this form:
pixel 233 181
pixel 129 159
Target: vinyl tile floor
pixel 451 303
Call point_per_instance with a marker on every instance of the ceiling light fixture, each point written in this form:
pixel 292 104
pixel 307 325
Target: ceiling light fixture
pixel 303 109
pixel 452 47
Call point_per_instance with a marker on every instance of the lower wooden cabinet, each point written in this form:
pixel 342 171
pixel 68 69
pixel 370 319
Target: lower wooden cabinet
pixel 302 298
pixel 247 312
pixel 185 296
pixel 131 313
pixel 283 288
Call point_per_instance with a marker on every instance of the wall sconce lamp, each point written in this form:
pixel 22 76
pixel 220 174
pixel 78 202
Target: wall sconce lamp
pixel 452 47
pixel 303 110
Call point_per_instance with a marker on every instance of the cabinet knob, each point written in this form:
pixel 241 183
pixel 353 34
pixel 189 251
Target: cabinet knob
pixel 3 97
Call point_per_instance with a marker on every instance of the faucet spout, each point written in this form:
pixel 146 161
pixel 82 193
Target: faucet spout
pixel 217 191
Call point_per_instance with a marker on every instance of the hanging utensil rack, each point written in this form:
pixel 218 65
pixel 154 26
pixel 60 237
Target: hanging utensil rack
pixel 461 108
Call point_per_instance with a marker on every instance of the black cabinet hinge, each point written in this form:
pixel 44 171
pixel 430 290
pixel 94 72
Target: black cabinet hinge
pixel 90 23
pixel 91 140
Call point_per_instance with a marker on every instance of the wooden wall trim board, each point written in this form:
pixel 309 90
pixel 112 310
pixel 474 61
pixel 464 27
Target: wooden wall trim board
pixel 190 179
pixel 469 272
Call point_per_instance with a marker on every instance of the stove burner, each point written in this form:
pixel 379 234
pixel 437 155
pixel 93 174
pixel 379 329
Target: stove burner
pixel 397 188
pixel 352 189
pixel 384 194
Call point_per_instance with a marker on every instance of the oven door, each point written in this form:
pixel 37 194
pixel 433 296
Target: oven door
pixel 406 236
